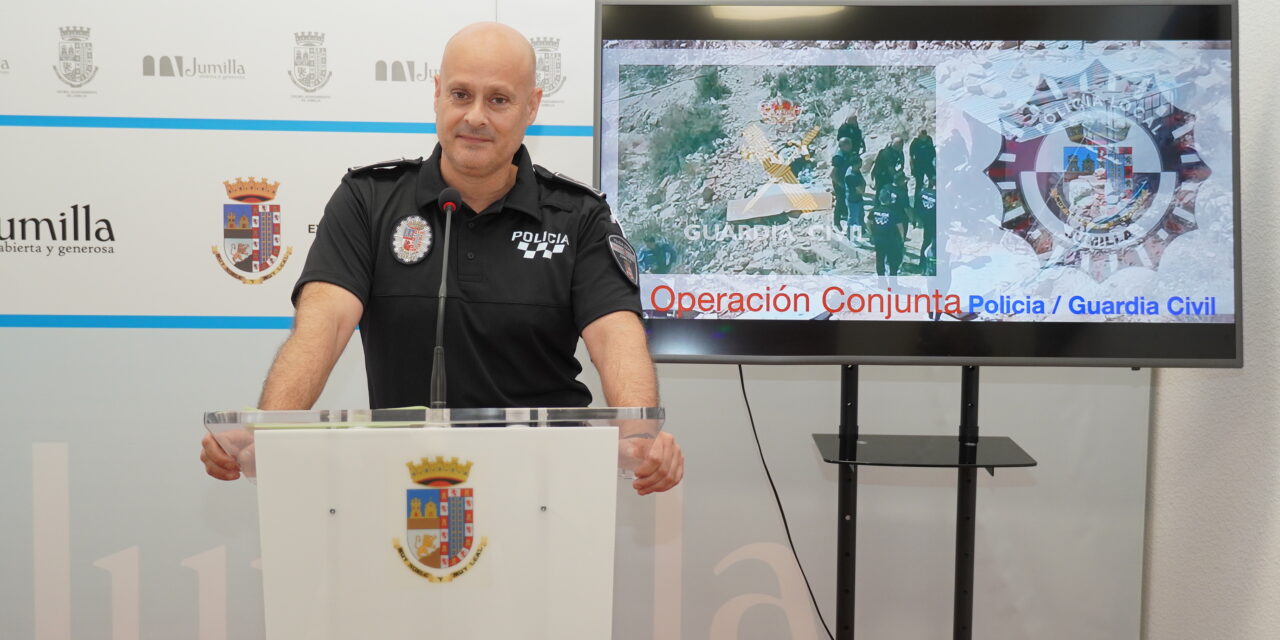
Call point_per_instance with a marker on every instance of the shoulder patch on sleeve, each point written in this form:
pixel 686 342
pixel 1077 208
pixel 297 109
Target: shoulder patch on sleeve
pixel 553 176
pixel 386 165
pixel 625 257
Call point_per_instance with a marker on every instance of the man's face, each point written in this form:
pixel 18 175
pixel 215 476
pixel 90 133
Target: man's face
pixel 483 104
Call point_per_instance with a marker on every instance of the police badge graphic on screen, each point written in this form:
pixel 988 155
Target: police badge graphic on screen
pixel 251 250
pixel 439 525
pixel 1099 171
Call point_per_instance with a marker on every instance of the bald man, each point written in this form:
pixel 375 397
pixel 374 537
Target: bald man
pixel 535 261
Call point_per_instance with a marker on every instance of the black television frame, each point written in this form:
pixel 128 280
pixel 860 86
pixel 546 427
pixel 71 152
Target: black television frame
pixel 1139 344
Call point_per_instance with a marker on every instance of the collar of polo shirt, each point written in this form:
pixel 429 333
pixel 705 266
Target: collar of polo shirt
pixel 522 197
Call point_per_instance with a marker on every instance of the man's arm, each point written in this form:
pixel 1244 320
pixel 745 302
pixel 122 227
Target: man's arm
pixel 616 343
pixel 617 346
pixel 327 315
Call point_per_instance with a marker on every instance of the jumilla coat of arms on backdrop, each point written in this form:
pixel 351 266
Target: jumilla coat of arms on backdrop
pixel 547 67
pixel 310 61
pixel 75 57
pixel 440 536
pixel 251 250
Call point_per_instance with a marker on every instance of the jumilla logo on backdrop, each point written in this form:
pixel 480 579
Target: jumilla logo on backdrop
pixel 75 65
pixel 71 232
pixel 403 71
pixel 251 247
pixel 439 521
pixel 191 67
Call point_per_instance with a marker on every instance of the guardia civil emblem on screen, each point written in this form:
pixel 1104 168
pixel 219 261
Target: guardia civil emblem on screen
pixel 251 250
pixel 440 542
pixel 75 57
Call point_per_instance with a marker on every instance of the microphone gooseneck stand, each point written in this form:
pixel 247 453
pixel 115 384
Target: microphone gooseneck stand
pixel 448 201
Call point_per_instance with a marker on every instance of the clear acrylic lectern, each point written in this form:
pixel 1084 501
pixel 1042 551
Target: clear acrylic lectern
pixel 451 523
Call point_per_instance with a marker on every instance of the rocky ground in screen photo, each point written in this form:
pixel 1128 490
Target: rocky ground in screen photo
pixel 693 139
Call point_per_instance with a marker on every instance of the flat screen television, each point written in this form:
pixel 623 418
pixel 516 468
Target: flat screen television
pixel 928 184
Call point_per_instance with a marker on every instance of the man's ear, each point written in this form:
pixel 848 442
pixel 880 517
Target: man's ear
pixel 535 101
pixel 435 97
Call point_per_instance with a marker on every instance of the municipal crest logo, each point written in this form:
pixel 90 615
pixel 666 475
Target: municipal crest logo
pixel 549 77
pixel 310 62
pixel 75 57
pixel 251 250
pixel 411 240
pixel 440 535
pixel 1099 171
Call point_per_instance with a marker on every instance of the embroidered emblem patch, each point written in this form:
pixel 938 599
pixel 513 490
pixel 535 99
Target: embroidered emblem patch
pixel 625 257
pixel 411 241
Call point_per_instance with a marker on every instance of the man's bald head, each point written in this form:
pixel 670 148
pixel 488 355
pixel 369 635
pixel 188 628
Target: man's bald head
pixel 486 96
pixel 495 41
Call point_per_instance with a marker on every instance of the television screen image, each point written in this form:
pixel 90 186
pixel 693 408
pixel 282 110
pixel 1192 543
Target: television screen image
pixel 1035 200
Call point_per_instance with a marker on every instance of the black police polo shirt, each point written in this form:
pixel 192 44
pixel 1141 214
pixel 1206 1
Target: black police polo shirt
pixel 525 277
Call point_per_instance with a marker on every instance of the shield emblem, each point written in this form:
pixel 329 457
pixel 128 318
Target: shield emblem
pixel 75 57
pixel 547 69
pixel 310 62
pixel 439 525
pixel 251 250
pixel 251 236
pixel 1093 197
pixel 309 65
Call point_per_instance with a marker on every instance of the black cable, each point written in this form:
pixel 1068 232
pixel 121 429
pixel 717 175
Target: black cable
pixel 742 380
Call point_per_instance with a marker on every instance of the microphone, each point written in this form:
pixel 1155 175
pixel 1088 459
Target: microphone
pixel 448 201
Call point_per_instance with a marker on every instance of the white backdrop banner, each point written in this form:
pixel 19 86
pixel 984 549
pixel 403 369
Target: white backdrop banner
pixel 190 162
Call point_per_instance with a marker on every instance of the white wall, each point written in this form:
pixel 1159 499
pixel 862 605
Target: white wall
pixel 1213 527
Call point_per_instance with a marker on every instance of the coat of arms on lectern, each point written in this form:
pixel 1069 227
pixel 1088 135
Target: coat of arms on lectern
pixel 440 541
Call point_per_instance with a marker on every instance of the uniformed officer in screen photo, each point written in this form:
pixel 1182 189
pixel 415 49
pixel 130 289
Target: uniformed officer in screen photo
pixel 536 260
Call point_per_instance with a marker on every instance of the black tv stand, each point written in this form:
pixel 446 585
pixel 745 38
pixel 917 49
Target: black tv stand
pixel 967 453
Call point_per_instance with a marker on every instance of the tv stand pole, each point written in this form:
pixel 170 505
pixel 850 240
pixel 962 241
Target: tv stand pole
pixel 967 453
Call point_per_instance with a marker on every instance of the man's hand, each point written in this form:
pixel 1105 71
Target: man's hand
pixel 617 346
pixel 217 463
pixel 662 467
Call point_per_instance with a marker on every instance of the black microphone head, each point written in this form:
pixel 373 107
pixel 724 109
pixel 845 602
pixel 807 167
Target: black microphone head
pixel 449 199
